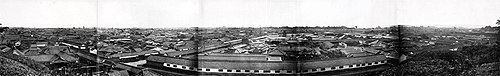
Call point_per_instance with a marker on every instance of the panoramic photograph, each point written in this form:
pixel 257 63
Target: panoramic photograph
pixel 249 38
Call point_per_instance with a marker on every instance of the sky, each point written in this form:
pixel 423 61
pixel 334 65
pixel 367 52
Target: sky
pixel 247 13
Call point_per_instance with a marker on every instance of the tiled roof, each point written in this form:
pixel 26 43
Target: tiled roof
pixel 112 49
pixel 233 58
pixel 276 52
pixel 33 45
pixel 284 48
pixel 317 50
pixel 359 54
pixel 337 62
pixel 327 45
pixel 263 65
pixel 371 50
pixel 3 41
pixel 56 49
pixel 133 53
pixel 102 44
pixel 42 43
pixel 12 37
pixel 66 57
pixel 128 67
pixel 167 51
pixel 176 53
pixel 148 72
pixel 351 50
pixel 119 73
pixel 17 52
pixel 274 59
pixel 4 48
pixel 157 49
pixel 137 49
pixel 32 51
pixel 43 58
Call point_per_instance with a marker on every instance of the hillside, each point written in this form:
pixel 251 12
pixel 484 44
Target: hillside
pixel 469 60
pixel 12 65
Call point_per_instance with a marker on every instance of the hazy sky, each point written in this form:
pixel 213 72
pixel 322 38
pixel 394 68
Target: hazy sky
pixel 245 13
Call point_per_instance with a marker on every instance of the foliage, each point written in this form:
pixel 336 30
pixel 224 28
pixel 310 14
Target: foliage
pixel 470 60
pixel 26 61
pixel 10 67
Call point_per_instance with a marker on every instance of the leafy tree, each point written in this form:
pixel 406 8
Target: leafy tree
pixel 497 36
pixel 498 22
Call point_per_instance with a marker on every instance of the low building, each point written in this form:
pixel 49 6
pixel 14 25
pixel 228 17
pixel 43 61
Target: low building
pixel 66 57
pixel 32 51
pixel 149 72
pixel 119 73
pixel 4 48
pixel 57 49
pixel 262 64
pixel 355 51
pixel 41 44
pixel 43 58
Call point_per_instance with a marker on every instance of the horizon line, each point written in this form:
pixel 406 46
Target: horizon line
pixel 349 26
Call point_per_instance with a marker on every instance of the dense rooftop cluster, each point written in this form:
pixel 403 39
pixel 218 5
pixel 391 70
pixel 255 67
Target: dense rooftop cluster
pixel 129 51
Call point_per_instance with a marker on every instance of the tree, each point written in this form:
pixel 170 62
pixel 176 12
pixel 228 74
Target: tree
pixel 3 28
pixel 498 22
pixel 498 33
